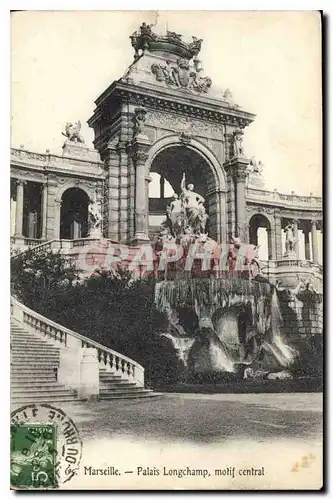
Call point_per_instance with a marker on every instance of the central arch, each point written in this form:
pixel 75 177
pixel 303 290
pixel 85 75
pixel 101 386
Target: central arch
pixel 170 158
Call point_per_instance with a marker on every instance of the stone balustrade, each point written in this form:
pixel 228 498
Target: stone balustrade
pixel 47 160
pixel 283 200
pixel 71 343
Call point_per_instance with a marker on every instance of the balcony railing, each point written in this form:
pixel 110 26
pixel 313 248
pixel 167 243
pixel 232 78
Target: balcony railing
pixel 290 200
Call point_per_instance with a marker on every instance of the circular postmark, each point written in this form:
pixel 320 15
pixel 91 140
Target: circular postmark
pixel 46 448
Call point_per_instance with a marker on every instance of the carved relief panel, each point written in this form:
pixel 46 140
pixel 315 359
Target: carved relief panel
pixel 177 123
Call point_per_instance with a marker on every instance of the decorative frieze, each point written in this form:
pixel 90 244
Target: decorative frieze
pixel 260 209
pixel 184 124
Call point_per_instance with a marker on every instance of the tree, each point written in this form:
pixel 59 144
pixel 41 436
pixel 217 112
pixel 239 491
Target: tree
pixel 35 273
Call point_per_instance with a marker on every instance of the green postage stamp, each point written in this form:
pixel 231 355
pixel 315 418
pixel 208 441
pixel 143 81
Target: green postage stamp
pixel 45 448
pixel 33 456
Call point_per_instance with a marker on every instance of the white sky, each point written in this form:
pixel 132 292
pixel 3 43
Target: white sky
pixel 62 61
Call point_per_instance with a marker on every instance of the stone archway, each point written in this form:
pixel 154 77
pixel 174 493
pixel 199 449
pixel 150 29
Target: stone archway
pixel 74 214
pixel 170 157
pixel 260 234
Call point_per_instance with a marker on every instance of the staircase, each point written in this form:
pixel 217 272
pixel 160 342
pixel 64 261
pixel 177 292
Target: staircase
pixel 113 387
pixel 34 365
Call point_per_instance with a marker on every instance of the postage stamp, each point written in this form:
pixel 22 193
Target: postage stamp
pixel 33 456
pixel 45 447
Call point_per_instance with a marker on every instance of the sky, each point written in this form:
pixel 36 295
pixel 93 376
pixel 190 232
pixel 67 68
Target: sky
pixel 61 61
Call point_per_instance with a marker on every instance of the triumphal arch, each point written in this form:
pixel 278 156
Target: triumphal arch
pixel 164 116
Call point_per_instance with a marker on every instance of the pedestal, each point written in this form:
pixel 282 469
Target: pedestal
pixel 95 233
pixel 291 255
pixel 79 150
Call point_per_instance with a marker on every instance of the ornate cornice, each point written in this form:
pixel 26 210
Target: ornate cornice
pixel 202 107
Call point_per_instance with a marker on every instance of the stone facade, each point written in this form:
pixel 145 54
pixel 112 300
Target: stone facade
pixel 162 116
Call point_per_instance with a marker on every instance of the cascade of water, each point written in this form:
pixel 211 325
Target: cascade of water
pixel 182 346
pixel 221 357
pixel 206 296
pixel 283 353
pixel 220 292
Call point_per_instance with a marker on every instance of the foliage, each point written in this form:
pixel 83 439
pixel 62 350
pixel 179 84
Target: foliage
pixel 34 274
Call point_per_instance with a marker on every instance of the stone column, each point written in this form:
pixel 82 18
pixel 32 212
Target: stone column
pixel 140 146
pixel 111 159
pixel 141 214
pixel 162 186
pixel 223 226
pixel 123 187
pixel 314 241
pixel 270 245
pixel 307 243
pixel 278 235
pixel 238 168
pixel 240 205
pixel 57 219
pixel 44 211
pixel 12 209
pixel 295 231
pixel 52 217
pixel 19 209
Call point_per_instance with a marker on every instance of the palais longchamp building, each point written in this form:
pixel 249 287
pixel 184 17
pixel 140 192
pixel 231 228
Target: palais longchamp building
pixel 161 128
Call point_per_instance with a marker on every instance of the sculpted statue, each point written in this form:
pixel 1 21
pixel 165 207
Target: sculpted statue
pixel 94 215
pixel 169 73
pixel 193 204
pixel 182 75
pixel 255 167
pixel 238 142
pixel 290 238
pixel 72 131
pixel 187 237
pixel 174 35
pixel 175 215
pixel 186 218
pixel 227 96
pixel 138 120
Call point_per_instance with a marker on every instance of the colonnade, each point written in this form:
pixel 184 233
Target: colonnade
pixel 308 247
pixel 18 210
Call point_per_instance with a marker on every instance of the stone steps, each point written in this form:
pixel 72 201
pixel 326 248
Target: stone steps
pixel 135 395
pixel 112 386
pixel 33 369
pixel 34 361
pixel 37 398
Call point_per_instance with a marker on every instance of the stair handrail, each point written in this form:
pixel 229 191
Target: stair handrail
pixel 69 338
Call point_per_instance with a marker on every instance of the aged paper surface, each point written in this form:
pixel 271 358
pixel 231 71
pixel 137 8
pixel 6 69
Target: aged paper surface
pixel 166 235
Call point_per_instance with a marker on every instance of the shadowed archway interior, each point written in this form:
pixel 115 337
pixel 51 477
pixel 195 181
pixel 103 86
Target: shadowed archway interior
pixel 170 164
pixel 74 214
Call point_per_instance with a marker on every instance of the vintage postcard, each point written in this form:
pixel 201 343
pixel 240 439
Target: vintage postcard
pixel 166 250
